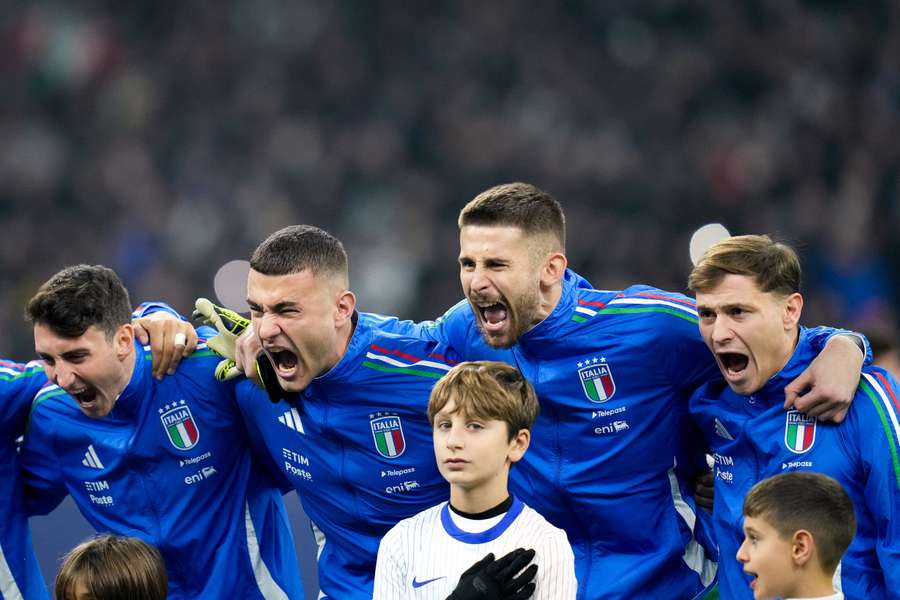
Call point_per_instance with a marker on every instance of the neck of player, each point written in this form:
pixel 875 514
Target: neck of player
pixel 127 371
pixel 482 497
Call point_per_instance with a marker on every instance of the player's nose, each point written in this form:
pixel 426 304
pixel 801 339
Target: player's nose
pixel 267 326
pixel 63 377
pixel 721 332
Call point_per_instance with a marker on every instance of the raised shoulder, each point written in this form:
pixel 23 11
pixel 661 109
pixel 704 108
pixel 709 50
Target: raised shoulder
pixel 198 367
pixel 395 356
pixel 641 300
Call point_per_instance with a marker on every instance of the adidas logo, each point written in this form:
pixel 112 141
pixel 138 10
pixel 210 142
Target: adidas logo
pixel 91 459
pixel 722 432
pixel 291 420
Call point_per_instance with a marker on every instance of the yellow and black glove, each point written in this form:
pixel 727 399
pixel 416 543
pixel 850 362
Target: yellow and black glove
pixel 231 325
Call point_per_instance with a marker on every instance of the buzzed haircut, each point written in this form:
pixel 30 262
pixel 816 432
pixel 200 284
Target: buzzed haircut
pixel 487 390
pixel 806 500
pixel 113 568
pixel 774 266
pixel 77 297
pixel 297 248
pixel 521 205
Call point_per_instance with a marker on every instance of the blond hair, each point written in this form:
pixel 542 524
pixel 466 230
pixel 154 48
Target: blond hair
pixel 774 266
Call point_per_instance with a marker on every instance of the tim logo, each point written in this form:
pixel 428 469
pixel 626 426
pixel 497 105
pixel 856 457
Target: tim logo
pixel 596 380
pixel 388 435
pixel 179 424
pixel 799 432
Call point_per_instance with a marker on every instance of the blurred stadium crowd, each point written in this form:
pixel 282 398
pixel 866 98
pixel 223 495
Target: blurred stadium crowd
pixel 165 138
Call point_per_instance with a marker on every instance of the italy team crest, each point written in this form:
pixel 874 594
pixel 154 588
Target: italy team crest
pixel 388 435
pixel 799 432
pixel 179 424
pixel 596 380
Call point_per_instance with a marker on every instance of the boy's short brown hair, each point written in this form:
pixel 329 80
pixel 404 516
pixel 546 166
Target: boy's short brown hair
pixel 774 266
pixel 806 500
pixel 487 390
pixel 112 567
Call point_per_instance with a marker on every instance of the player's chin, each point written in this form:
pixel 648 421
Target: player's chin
pixel 499 339
pixel 294 384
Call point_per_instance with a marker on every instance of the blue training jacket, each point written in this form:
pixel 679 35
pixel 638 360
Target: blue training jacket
pixel 612 456
pixel 20 576
pixel 170 465
pixel 753 438
pixel 357 446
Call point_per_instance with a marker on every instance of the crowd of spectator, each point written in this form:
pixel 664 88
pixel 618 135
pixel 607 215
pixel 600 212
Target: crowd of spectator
pixel 165 138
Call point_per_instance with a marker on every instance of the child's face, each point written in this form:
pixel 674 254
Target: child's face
pixel 768 558
pixel 472 452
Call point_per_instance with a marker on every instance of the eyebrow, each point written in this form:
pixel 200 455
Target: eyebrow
pixel 275 307
pixel 728 306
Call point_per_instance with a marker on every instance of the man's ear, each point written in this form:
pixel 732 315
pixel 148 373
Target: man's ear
pixel 345 304
pixel 554 269
pixel 518 445
pixel 123 340
pixel 793 306
pixel 803 547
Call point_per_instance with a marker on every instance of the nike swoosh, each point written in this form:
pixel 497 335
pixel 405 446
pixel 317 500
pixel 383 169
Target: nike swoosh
pixel 418 584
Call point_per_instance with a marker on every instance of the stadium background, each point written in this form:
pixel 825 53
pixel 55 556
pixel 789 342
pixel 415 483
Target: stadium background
pixel 166 138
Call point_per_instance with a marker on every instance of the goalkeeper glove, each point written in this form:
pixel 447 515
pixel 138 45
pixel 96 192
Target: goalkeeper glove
pixel 230 326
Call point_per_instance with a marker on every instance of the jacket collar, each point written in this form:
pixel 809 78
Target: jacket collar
pixel 131 399
pixel 360 339
pixel 548 329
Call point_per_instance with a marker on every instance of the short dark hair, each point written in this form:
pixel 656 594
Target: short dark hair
pixel 806 500
pixel 78 297
pixel 520 205
pixel 112 567
pixel 487 390
pixel 773 265
pixel 297 248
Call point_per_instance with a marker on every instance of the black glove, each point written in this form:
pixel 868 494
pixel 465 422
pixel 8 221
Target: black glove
pixel 490 579
pixel 273 388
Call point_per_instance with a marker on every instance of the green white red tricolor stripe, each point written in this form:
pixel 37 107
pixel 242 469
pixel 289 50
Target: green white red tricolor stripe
pixel 887 405
pixel 638 303
pixel 396 361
